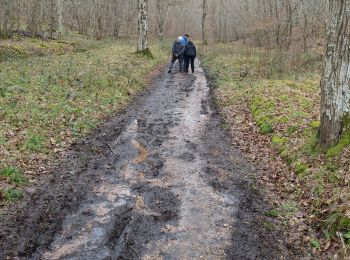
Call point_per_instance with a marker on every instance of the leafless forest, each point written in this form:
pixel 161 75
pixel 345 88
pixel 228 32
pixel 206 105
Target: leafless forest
pixel 270 23
pixel 277 73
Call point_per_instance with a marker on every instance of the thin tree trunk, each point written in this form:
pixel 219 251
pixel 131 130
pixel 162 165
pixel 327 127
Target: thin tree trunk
pixel 162 14
pixel 76 15
pixel 335 90
pixel 6 19
pixel 278 24
pixel 60 18
pixel 204 16
pixel 305 32
pixel 18 14
pixel 225 21
pixel 220 21
pixel 289 23
pixel 35 18
pixel 142 25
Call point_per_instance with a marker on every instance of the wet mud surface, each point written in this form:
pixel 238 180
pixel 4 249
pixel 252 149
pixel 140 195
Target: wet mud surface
pixel 159 181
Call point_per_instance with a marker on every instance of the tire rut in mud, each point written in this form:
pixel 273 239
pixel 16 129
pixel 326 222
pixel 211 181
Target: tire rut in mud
pixel 146 227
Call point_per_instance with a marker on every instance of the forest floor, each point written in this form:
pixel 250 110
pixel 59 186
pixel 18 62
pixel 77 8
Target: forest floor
pixel 158 180
pixel 94 165
pixel 270 103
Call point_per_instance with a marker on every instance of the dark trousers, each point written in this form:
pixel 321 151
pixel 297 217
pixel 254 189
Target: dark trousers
pixel 188 60
pixel 181 62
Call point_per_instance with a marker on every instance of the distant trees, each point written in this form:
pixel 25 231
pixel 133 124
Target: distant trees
pixel 4 26
pixel 9 10
pixel 162 12
pixel 222 30
pixel 102 19
pixel 93 18
pixel 162 7
pixel 270 23
pixel 335 97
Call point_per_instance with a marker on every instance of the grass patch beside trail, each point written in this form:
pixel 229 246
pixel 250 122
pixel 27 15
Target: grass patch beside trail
pixel 27 47
pixel 47 102
pixel 280 93
pixel 19 47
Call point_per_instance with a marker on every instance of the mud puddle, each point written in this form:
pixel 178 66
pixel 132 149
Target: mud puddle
pixel 161 182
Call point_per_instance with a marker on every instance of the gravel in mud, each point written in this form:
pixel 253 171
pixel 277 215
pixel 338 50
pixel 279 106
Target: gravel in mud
pixel 159 181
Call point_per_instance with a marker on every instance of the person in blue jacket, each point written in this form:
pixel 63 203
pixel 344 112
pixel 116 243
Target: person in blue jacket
pixel 178 54
pixel 185 38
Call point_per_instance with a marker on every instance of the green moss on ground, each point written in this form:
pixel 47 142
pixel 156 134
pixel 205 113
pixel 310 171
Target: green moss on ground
pixel 300 168
pixel 279 141
pixel 146 52
pixel 339 148
pixel 14 175
pixel 19 47
pixel 344 141
pixel 315 124
pixel 12 194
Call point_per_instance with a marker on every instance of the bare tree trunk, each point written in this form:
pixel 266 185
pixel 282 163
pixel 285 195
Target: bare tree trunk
pixel 162 13
pixel 76 16
pixel 225 21
pixel 204 16
pixel 335 90
pixel 220 21
pixel 60 17
pixel 305 32
pixel 289 23
pixel 6 19
pixel 278 24
pixel 35 18
pixel 52 17
pixel 18 16
pixel 142 26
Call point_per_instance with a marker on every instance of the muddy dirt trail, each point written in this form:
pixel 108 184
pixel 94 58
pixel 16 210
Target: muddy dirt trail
pixel 159 181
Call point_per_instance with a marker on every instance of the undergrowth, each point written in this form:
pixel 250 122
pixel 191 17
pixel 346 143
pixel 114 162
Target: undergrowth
pixel 57 91
pixel 19 47
pixel 281 91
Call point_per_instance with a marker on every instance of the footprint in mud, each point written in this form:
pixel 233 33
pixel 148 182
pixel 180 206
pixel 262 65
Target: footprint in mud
pixel 191 145
pixel 204 110
pixel 187 156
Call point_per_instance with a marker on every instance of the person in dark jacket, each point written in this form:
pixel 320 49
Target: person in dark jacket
pixel 178 54
pixel 190 55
